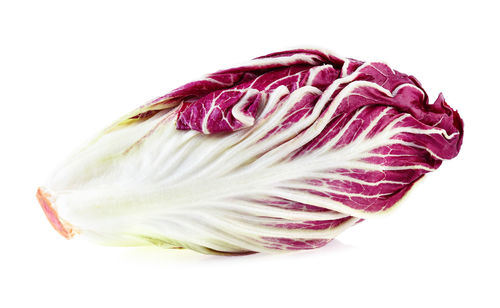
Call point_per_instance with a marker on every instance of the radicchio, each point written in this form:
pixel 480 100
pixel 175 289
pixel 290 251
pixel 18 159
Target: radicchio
pixel 280 154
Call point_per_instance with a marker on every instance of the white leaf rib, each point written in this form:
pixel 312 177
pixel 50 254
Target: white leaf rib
pixel 338 177
pixel 329 190
pixel 256 230
pixel 262 209
pixel 237 110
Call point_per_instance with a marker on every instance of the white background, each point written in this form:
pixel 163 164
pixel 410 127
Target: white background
pixel 67 70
